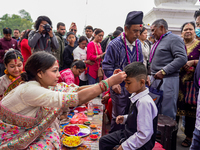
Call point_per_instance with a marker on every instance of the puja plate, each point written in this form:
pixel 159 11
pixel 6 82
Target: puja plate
pixel 79 130
pixel 81 142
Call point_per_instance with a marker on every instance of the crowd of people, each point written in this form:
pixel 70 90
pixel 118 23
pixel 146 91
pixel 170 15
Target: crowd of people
pixel 42 74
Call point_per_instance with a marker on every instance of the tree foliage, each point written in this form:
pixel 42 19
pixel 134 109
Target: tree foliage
pixel 23 21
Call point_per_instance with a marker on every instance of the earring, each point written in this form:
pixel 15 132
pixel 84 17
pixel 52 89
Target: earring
pixel 6 71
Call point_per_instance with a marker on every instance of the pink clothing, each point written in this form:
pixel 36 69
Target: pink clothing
pixel 91 55
pixel 67 76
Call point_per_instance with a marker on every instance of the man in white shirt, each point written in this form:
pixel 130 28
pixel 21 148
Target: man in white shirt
pixel 88 33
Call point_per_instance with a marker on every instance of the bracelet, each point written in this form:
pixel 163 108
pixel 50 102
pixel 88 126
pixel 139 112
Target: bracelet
pixel 102 87
pixel 106 84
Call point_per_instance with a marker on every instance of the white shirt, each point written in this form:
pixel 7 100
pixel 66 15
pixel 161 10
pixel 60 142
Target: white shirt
pixel 130 45
pixel 81 54
pixel 147 111
pixel 89 39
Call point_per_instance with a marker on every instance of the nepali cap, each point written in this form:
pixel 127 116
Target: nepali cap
pixel 134 17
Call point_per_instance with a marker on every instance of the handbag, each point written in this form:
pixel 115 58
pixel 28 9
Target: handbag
pixel 100 71
pixel 190 93
pixel 156 94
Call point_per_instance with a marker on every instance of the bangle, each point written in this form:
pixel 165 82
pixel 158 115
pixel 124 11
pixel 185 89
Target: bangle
pixel 106 84
pixel 102 87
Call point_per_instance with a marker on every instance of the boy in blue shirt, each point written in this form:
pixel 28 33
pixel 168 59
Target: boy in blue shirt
pixel 141 122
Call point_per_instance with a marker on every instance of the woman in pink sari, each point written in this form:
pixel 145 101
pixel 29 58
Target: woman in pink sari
pixel 28 111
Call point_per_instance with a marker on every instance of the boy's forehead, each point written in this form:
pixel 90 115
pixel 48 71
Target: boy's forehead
pixel 127 78
pixel 71 35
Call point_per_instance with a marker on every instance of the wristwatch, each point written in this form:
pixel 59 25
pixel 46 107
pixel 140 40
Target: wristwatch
pixel 163 72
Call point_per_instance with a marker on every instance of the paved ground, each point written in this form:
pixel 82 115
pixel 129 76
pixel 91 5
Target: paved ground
pixel 180 138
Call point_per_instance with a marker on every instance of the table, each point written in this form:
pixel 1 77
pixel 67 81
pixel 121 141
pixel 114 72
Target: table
pixel 97 120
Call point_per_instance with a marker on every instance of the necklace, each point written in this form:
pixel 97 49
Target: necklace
pixel 190 42
pixel 9 76
pixel 127 49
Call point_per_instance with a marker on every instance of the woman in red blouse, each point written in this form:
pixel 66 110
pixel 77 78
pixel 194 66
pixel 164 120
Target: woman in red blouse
pixel 25 48
pixel 95 54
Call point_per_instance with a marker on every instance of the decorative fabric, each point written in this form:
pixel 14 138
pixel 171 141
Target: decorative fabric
pixel 71 100
pixel 9 117
pixel 63 87
pixel 48 140
pixel 14 137
pixel 13 85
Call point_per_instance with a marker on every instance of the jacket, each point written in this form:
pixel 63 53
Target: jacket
pixel 42 42
pixel 58 53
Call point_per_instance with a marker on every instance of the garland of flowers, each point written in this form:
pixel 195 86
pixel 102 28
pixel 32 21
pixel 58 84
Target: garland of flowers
pixel 127 49
pixel 9 76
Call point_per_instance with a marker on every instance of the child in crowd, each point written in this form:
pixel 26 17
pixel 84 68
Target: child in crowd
pixel 68 51
pixel 71 75
pixel 141 122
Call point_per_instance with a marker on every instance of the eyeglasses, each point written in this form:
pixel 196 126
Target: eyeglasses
pixel 73 30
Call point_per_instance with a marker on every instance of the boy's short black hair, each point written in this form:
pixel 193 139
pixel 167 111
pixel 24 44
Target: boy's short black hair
pixel 136 70
pixel 69 33
pixel 89 27
pixel 7 31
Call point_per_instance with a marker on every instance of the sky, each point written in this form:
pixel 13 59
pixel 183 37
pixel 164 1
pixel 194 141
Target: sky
pixel 104 14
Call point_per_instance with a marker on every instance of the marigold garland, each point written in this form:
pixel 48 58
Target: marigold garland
pixel 9 76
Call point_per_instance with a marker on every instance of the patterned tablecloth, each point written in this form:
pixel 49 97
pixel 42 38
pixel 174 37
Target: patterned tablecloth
pixel 88 144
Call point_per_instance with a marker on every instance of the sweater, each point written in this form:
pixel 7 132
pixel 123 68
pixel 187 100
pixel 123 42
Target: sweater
pixel 68 56
pixel 170 55
pixel 6 45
